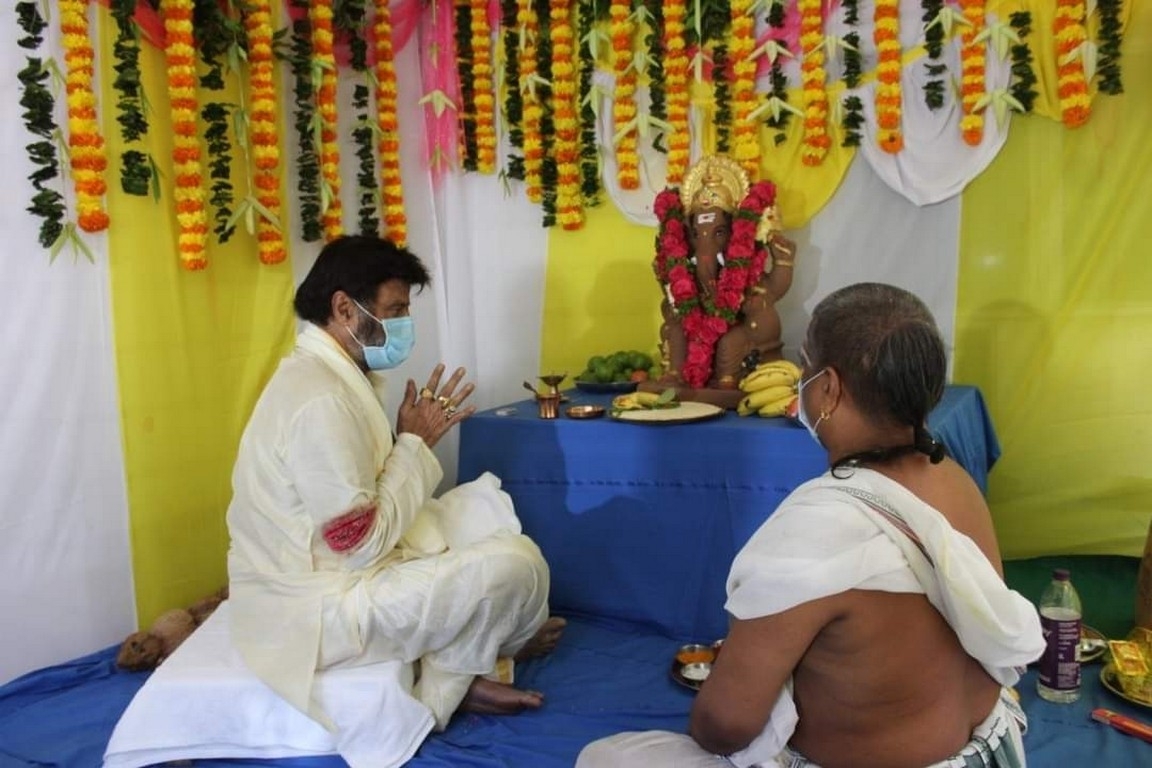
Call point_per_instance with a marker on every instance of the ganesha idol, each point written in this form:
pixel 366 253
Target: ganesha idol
pixel 722 264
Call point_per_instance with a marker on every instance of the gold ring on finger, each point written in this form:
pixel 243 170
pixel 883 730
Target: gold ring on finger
pixel 427 394
pixel 449 411
pixel 444 402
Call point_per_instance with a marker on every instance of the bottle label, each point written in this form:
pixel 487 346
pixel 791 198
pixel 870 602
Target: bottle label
pixel 1059 668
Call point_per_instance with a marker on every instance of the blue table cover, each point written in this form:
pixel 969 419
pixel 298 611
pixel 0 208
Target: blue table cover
pixel 640 522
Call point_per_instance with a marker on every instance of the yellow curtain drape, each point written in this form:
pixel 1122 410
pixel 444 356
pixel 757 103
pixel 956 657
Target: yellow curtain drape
pixel 1054 313
pixel 193 351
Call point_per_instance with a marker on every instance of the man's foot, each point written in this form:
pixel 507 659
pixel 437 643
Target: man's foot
pixel 487 697
pixel 545 639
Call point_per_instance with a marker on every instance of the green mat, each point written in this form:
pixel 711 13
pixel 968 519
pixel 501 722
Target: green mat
pixel 1106 584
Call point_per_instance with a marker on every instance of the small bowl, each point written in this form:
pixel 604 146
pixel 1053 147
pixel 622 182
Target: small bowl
pixel 695 653
pixel 697 672
pixel 585 411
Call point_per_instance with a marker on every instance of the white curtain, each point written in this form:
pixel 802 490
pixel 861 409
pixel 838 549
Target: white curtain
pixel 67 586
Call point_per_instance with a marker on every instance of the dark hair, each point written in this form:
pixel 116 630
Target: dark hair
pixel 884 344
pixel 357 265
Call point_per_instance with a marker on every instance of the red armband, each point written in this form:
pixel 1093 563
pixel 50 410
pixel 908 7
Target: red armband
pixel 347 531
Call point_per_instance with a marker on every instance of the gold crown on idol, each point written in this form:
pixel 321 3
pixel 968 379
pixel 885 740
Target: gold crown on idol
pixel 716 181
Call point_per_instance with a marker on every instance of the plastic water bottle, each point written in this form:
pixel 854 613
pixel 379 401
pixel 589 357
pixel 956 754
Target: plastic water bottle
pixel 1060 614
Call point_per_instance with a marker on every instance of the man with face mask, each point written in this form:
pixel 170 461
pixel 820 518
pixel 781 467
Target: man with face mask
pixel 339 554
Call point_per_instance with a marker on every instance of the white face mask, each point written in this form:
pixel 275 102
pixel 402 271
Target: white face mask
pixel 800 415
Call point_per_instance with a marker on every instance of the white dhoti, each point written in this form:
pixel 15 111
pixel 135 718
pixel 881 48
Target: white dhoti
pixel 996 743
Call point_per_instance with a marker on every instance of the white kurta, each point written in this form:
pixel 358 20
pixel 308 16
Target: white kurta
pixel 340 556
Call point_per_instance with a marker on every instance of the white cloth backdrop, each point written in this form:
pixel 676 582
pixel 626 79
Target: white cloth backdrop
pixel 67 586
pixel 63 516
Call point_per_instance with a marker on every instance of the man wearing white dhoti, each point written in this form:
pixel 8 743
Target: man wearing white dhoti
pixel 870 622
pixel 339 553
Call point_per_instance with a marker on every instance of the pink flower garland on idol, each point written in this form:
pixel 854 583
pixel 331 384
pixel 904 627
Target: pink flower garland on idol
pixel 706 318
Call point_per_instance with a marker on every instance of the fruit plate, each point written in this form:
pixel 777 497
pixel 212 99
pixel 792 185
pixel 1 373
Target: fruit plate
pixel 1111 681
pixel 680 414
pixel 613 387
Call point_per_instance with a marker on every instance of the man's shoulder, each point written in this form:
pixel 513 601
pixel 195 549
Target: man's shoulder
pixel 300 379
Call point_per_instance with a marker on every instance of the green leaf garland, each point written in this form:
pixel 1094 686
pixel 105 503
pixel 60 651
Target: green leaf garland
pixel 1110 36
pixel 1023 76
pixel 513 99
pixel 590 187
pixel 464 61
pixel 934 46
pixel 549 173
pixel 136 166
pixel 218 39
pixel 778 79
pixel 304 118
pixel 350 17
pixel 39 109
pixel 852 106
pixel 658 102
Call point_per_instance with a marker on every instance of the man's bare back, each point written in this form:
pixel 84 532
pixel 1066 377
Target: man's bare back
pixel 880 678
pixel 887 682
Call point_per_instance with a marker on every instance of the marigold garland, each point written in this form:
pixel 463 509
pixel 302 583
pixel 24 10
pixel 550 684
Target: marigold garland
pixel 677 87
pixel 39 118
pixel 485 96
pixel 886 35
pixel 263 132
pixel 388 142
pixel 624 102
pixel 569 211
pixel 1072 85
pixel 747 138
pixel 533 108
pixel 972 63
pixel 816 141
pixel 85 144
pixel 180 55
pixel 324 57
pixel 707 317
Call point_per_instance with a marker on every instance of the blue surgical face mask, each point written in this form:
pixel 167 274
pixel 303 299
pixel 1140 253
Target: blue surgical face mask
pixel 399 338
pixel 800 415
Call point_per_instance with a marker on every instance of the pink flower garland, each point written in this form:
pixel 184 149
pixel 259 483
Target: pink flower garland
pixel 706 318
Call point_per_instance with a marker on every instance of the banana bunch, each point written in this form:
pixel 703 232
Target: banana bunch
pixel 635 401
pixel 770 389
